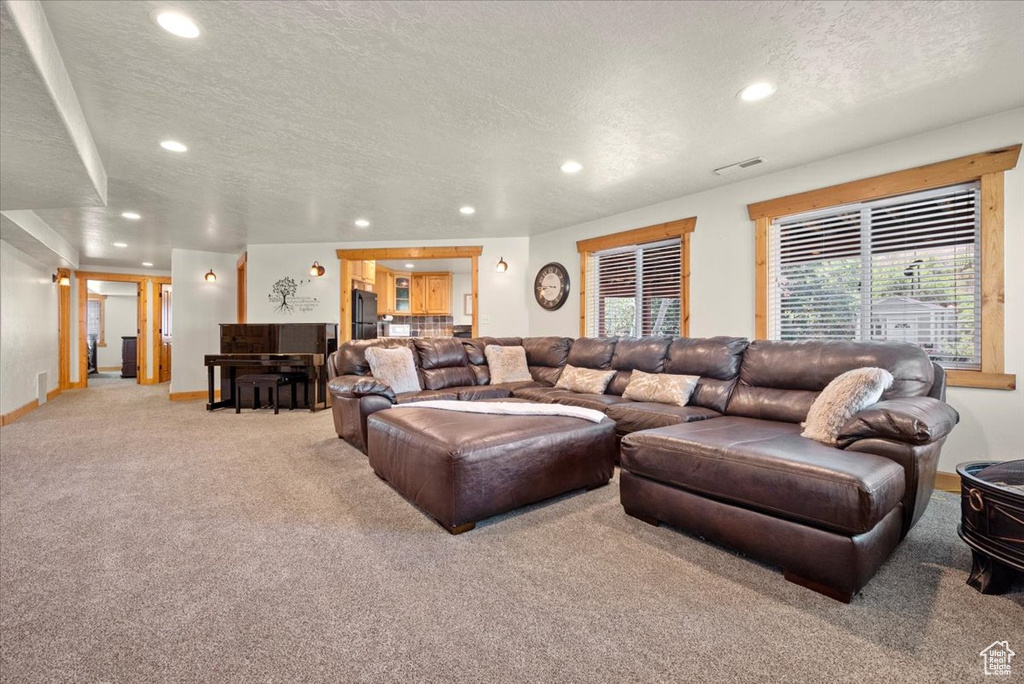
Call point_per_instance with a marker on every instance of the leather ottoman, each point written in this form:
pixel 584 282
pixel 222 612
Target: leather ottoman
pixel 463 467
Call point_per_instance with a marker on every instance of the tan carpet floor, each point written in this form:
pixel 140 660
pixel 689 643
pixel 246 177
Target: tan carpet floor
pixel 149 541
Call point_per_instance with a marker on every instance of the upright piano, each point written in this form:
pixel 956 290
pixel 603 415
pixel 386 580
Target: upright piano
pixel 272 348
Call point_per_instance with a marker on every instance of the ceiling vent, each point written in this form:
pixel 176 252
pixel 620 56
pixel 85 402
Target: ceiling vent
pixel 739 166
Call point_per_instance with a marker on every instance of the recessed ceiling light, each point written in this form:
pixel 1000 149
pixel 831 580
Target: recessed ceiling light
pixel 147 263
pixel 131 215
pixel 410 265
pixel 468 210
pixel 173 146
pixel 756 91
pixel 177 23
pixel 120 244
pixel 362 223
pixel 571 167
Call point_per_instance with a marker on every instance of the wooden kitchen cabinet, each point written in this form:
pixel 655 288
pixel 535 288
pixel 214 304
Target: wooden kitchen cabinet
pixel 439 294
pixel 364 271
pixel 418 294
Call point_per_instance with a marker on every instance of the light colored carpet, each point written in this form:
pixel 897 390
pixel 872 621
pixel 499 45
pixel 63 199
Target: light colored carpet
pixel 149 541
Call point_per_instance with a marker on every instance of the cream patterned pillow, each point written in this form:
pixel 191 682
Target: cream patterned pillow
pixel 507 364
pixel 661 388
pixel 584 380
pixel 847 394
pixel 394 367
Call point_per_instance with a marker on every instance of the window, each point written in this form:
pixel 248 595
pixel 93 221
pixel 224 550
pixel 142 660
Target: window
pixel 914 255
pixel 635 290
pixel 96 319
pixel 901 269
pixel 636 283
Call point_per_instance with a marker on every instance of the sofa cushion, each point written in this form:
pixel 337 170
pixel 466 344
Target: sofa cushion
pixel 645 354
pixel 592 352
pixel 849 394
pixel 546 357
pixel 444 362
pixel 716 360
pixel 586 380
pixel 662 388
pixel 599 402
pixel 481 392
pixel 637 415
pixel 394 367
pixel 451 394
pixel 534 393
pixel 507 364
pixel 350 359
pixel 780 380
pixel 769 467
pixel 475 347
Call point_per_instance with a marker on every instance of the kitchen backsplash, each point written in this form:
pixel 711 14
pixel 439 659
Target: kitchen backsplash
pixel 421 326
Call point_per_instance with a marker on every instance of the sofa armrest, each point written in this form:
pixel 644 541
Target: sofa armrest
pixel 910 420
pixel 355 386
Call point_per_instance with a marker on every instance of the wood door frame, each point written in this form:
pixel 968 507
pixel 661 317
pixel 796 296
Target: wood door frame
pixel 147 324
pixel 241 269
pixel 346 256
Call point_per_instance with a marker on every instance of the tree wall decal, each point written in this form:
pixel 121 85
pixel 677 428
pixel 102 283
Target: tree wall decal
pixel 285 287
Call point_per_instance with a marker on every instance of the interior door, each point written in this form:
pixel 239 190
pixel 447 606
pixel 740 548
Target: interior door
pixel 165 332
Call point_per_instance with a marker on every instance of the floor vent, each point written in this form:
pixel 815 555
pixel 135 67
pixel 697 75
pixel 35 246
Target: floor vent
pixel 41 387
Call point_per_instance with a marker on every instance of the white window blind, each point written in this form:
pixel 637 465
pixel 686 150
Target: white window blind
pixel 901 268
pixel 635 291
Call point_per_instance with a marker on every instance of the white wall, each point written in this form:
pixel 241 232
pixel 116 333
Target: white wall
pixel 119 320
pixel 199 309
pixel 28 327
pixel 502 295
pixel 722 263
pixel 462 285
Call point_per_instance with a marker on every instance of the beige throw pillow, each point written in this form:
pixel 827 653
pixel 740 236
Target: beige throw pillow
pixel 584 380
pixel 507 364
pixel 394 367
pixel 847 394
pixel 661 388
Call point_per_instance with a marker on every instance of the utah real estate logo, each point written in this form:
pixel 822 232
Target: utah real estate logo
pixel 997 658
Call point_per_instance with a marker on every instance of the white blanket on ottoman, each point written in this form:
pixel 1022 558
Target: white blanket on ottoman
pixel 508 408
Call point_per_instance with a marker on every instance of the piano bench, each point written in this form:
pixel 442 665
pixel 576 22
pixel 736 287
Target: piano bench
pixel 272 382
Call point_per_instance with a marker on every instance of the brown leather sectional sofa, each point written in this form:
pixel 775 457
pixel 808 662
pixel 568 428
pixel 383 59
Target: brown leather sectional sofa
pixel 730 466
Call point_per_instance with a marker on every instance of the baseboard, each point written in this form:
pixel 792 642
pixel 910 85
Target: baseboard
pixel 8 418
pixel 53 394
pixel 107 369
pixel 947 482
pixel 192 396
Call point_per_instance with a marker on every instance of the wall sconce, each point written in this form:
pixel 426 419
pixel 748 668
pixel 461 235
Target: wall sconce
pixel 316 269
pixel 62 279
pixel 210 276
pixel 501 266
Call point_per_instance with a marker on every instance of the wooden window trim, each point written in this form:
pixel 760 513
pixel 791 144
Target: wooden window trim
pixel 102 299
pixel 986 168
pixel 681 229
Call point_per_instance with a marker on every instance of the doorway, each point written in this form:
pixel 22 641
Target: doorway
pixel 397 288
pixel 149 340
pixel 166 309
pixel 111 332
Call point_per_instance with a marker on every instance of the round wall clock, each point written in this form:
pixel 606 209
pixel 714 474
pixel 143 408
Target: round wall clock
pixel 551 286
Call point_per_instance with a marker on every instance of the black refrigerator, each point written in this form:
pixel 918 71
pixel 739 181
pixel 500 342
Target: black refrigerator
pixel 364 315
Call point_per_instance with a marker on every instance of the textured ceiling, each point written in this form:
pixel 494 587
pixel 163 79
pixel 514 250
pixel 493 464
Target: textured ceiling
pixel 301 117
pixel 40 165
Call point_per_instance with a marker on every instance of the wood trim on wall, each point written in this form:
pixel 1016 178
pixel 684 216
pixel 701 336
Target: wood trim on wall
pixel 192 396
pixel 951 172
pixel 475 294
pixel 241 269
pixel 20 412
pixel 681 229
pixel 64 331
pixel 987 168
pixel 947 482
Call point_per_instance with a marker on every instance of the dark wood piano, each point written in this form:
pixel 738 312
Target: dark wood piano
pixel 272 348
